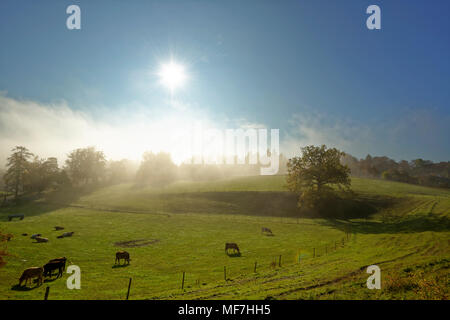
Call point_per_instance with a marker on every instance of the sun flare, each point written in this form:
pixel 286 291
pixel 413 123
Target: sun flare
pixel 172 75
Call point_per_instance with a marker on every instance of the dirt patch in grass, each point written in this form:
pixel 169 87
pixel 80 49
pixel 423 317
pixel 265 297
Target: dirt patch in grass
pixel 136 243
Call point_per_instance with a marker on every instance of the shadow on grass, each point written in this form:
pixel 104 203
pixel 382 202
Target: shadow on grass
pixel 24 287
pixel 234 254
pixel 36 204
pixel 269 204
pixel 351 207
pixel 420 223
pixel 120 266
pixel 51 279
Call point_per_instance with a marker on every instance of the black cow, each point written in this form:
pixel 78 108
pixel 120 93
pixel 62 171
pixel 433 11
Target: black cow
pixel 55 264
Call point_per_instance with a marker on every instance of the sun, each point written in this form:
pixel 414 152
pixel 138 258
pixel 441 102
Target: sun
pixel 172 75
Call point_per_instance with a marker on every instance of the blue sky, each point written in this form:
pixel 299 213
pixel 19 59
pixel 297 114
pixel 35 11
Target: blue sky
pixel 310 68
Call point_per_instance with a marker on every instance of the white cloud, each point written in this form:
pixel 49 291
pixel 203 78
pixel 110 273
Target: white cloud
pixel 57 129
pixel 411 134
pixel 313 128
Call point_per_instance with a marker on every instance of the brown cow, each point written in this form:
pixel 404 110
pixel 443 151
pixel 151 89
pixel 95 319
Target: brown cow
pixel 30 273
pixel 58 228
pixel 122 255
pixel 233 246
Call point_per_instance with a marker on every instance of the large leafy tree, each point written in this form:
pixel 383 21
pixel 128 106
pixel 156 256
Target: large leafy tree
pixel 18 164
pixel 86 165
pixel 156 170
pixel 316 173
pixel 42 174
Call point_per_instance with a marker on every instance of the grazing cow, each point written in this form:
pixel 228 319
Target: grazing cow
pixel 59 228
pixel 40 239
pixel 122 255
pixel 61 259
pixel 34 236
pixel 53 265
pixel 30 273
pixel 267 230
pixel 233 246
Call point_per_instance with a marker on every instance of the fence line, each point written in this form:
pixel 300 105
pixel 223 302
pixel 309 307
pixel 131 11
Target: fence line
pixel 315 254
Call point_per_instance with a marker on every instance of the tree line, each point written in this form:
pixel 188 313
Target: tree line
pixel 418 171
pixel 27 173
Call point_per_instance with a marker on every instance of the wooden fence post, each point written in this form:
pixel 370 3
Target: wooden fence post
pixel 314 252
pixel 129 286
pixel 254 270
pixel 182 282
pixel 279 261
pixel 47 290
pixel 225 273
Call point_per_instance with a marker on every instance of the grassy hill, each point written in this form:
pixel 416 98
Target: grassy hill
pixel 402 228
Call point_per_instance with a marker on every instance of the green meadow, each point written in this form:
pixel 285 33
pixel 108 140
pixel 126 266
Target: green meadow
pixel 183 228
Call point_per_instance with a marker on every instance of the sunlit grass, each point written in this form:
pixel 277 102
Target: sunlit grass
pixel 192 222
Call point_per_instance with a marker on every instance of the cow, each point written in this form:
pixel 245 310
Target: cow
pixel 122 255
pixel 30 273
pixel 53 265
pixel 266 230
pixel 40 239
pixel 66 234
pixel 58 228
pixel 61 259
pixel 233 246
pixel 34 236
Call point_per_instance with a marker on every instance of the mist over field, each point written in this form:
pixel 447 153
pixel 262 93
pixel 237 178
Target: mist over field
pixel 56 129
pixel 222 150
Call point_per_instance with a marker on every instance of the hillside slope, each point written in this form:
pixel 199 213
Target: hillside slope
pixel 184 228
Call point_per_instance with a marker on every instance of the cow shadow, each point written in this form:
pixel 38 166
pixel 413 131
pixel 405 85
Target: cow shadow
pixel 17 287
pixel 234 254
pixel 51 279
pixel 120 266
